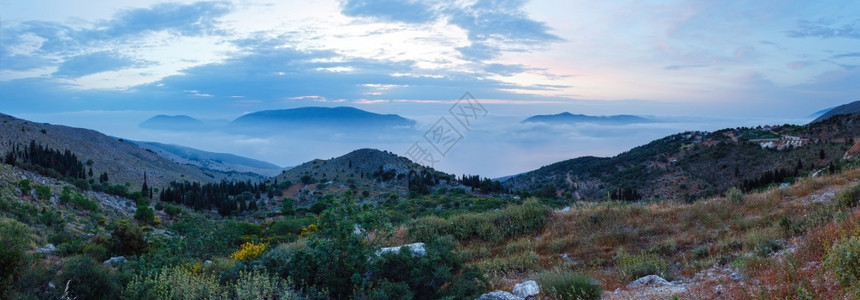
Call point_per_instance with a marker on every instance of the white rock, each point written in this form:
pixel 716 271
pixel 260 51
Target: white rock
pixel 526 289
pixel 649 280
pixel 49 248
pixel 499 295
pixel 115 260
pixel 417 249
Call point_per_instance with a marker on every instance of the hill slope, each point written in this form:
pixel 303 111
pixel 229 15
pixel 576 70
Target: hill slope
pixel 849 108
pixel 224 162
pixel 124 162
pixel 696 164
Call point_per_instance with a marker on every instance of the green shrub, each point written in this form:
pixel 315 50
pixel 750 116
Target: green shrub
pixel 144 214
pixel 290 225
pixel 643 264
pixel 735 195
pixel 498 226
pixel 842 260
pixel 257 285
pixel 88 279
pixel 51 218
pixel 127 238
pixel 569 285
pixel 24 184
pixel 429 227
pixel 700 252
pixel 438 274
pixel 388 290
pixel 43 192
pixel 13 243
pixel 172 210
pixel 849 197
pixel 175 283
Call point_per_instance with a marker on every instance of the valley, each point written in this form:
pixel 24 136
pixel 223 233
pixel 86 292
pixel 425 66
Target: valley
pixel 734 213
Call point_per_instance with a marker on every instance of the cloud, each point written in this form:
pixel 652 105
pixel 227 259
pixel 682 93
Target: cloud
pixel 826 28
pixel 192 19
pixel 679 67
pixel 389 10
pixel 86 64
pixel 846 55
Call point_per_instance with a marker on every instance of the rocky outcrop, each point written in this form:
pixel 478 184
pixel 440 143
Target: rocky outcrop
pixel 416 248
pixel 527 290
pixel 522 291
pixel 499 295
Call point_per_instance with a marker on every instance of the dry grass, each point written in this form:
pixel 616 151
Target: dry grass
pixel 776 237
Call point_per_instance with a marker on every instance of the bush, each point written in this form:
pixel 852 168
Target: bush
pixel 144 214
pixel 88 279
pixel 175 283
pixel 43 192
pixel 24 184
pixel 248 251
pixel 429 227
pixel 842 260
pixel 127 238
pixel 172 210
pixel 569 285
pixel 439 274
pixel 497 226
pixel 636 266
pixel 82 184
pixel 735 195
pixel 290 225
pixel 258 285
pixel 849 197
pixel 13 243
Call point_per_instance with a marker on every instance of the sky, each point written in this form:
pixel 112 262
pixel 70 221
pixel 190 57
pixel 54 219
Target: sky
pixel 697 65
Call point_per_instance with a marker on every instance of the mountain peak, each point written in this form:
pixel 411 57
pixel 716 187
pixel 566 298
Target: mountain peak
pixel 177 122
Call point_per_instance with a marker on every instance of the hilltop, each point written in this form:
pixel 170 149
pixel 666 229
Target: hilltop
pixel 180 122
pixel 374 171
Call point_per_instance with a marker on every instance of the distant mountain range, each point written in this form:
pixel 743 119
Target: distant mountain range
pixel 295 119
pixel 849 108
pixel 569 118
pixel 209 160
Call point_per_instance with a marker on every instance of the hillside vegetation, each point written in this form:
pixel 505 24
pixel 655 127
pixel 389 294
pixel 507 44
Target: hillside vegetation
pixel 333 229
pixel 692 165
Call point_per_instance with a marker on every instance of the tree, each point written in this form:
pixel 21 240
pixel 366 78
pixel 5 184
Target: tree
pixel 144 190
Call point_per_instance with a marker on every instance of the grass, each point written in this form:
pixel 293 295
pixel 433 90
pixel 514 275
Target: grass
pixel 775 236
pixel 567 284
